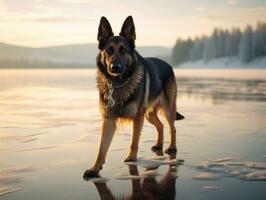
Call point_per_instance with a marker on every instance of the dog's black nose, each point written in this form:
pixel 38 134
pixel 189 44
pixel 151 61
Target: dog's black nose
pixel 116 68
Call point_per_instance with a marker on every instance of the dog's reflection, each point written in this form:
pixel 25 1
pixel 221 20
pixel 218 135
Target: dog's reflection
pixel 146 188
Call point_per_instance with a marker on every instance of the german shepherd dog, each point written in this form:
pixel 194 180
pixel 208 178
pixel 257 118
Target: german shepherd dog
pixel 131 87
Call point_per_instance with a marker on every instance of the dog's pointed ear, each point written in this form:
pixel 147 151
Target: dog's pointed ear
pixel 104 32
pixel 128 31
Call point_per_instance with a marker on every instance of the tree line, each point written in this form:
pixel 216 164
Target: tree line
pixel 247 45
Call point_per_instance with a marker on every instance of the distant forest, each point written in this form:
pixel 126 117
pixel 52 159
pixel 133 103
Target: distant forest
pixel 247 45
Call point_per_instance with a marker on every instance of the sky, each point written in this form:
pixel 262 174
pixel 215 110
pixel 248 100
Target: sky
pixel 39 23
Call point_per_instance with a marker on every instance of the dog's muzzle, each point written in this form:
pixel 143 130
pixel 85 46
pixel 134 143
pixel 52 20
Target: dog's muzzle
pixel 116 68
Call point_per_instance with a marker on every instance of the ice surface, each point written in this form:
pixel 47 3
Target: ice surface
pixel 36 102
pixel 244 170
pixel 222 159
pixel 17 169
pixel 151 173
pixel 6 178
pixel 36 149
pixel 99 180
pixel 152 163
pixel 117 149
pixel 67 162
pixel 5 190
pixel 156 161
pixel 255 176
pixel 147 173
pixel 129 177
pixel 206 176
pixel 212 187
pixel 9 176
pixel 156 158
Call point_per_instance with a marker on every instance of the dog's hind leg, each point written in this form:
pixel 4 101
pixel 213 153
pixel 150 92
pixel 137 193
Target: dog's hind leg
pixel 108 129
pixel 170 119
pixel 137 126
pixel 153 119
pixel 169 110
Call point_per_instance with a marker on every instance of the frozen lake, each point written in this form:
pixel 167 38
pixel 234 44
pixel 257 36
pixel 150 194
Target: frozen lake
pixel 49 134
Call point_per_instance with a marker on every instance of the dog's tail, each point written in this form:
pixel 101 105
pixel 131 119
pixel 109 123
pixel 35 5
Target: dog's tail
pixel 178 116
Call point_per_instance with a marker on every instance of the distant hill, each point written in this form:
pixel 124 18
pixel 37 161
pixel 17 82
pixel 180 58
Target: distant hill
pixel 74 55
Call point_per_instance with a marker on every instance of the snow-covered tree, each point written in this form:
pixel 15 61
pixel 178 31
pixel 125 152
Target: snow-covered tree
pixel 181 51
pixel 259 40
pixel 220 44
pixel 196 51
pixel 236 37
pixel 248 45
pixel 208 49
pixel 245 49
pixel 228 51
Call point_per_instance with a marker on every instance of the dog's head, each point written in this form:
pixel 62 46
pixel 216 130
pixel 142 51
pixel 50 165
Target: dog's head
pixel 116 51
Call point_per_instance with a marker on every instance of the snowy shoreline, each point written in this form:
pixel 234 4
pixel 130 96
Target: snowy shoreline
pixel 225 62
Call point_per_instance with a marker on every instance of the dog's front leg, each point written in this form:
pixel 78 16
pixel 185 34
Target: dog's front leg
pixel 108 129
pixel 137 126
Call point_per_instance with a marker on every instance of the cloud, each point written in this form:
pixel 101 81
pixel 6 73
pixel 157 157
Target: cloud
pixel 200 8
pixel 76 1
pixel 52 19
pixel 40 11
pixel 58 19
pixel 69 1
pixel 232 2
pixel 240 16
pixel 49 18
pixel 2 6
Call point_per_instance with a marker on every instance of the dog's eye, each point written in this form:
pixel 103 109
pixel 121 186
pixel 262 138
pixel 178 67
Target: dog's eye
pixel 109 51
pixel 122 50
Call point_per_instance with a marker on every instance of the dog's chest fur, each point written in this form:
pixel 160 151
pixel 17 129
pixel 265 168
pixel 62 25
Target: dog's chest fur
pixel 126 96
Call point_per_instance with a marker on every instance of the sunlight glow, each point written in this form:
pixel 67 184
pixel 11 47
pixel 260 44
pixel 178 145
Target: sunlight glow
pixel 44 23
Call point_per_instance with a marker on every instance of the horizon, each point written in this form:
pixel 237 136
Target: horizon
pixel 70 44
pixel 39 23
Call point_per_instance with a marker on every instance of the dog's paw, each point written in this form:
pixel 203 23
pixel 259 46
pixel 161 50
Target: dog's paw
pixel 156 148
pixel 89 174
pixel 171 150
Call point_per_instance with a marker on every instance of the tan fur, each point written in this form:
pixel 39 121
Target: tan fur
pixel 108 130
pixel 109 59
pixel 153 119
pixel 137 126
pixel 169 110
pixel 164 102
pixel 121 94
pixel 147 90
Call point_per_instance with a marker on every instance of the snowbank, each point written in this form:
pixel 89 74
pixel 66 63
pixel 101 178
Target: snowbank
pixel 225 62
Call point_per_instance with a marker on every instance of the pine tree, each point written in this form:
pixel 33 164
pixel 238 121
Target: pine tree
pixel 259 40
pixel 245 49
pixel 248 45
